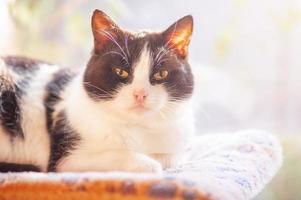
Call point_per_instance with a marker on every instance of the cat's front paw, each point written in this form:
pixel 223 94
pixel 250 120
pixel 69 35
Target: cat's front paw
pixel 144 164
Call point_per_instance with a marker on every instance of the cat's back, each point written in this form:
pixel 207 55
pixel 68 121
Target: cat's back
pixel 21 64
pixel 23 129
pixel 18 72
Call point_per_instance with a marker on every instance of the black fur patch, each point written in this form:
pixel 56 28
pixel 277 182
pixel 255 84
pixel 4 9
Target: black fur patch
pixel 12 167
pixel 21 64
pixel 10 113
pixel 54 89
pixel 11 93
pixel 179 82
pixel 63 138
pixel 99 80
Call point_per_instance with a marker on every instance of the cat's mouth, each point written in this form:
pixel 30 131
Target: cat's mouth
pixel 139 108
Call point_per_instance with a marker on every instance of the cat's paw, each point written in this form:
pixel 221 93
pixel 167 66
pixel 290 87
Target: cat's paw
pixel 144 164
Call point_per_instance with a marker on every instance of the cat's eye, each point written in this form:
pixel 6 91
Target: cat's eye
pixel 120 72
pixel 160 75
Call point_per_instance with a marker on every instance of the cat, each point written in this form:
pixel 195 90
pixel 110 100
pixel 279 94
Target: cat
pixel 129 109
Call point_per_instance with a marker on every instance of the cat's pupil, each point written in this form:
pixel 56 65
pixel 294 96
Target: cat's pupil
pixel 163 73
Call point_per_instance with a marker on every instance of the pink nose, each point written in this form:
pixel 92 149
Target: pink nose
pixel 140 95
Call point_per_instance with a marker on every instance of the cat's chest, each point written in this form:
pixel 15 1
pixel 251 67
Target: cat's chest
pixel 166 137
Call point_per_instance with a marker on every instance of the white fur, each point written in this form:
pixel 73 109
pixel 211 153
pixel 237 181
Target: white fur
pixel 142 71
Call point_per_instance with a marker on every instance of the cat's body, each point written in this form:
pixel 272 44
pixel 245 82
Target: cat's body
pixel 124 111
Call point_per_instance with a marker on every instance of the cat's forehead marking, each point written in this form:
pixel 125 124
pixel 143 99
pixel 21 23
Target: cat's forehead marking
pixel 142 66
pixel 141 34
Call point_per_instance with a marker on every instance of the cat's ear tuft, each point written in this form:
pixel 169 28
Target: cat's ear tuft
pixel 103 29
pixel 178 35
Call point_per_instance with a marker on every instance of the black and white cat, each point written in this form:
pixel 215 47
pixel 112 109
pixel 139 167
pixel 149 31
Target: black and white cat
pixel 128 109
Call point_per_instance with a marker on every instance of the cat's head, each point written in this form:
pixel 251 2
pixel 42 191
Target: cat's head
pixel 139 73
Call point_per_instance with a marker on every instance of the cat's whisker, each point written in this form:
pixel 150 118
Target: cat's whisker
pixel 176 85
pixel 109 36
pixel 126 39
pixel 159 57
pixel 96 97
pixel 115 52
pixel 163 60
pixel 163 116
pixel 159 53
pixel 170 107
pixel 178 100
pixel 171 86
pixel 99 89
pixel 164 52
pixel 167 44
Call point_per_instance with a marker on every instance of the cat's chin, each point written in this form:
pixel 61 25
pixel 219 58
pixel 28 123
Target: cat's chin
pixel 139 109
pixel 139 112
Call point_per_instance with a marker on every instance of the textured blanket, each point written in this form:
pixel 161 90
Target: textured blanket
pixel 224 166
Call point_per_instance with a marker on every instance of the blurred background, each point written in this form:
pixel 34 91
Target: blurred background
pixel 246 55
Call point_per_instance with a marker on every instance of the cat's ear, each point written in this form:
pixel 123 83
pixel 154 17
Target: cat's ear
pixel 177 36
pixel 104 29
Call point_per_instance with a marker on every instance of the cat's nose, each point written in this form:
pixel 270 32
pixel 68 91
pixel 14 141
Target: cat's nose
pixel 140 95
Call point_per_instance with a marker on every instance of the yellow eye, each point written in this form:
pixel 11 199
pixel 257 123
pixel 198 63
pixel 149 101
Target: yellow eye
pixel 160 75
pixel 120 72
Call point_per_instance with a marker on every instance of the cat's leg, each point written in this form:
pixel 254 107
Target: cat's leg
pixel 120 160
pixel 168 160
